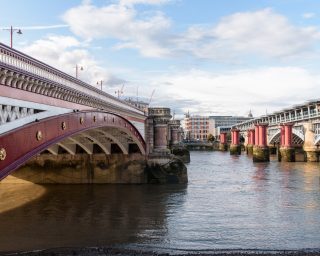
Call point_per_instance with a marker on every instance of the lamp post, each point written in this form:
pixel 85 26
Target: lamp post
pixel 11 29
pixel 77 70
pixel 100 82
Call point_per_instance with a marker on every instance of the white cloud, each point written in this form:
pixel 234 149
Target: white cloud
pixel 133 2
pixel 120 22
pixel 262 32
pixel 308 15
pixel 64 53
pixel 237 92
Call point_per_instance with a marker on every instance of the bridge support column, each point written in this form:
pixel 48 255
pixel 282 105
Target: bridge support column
pixel 311 152
pixel 174 129
pixel 223 146
pixel 287 151
pixel 177 148
pixel 260 149
pixel 251 140
pixel 160 119
pixel 235 148
pixel 162 166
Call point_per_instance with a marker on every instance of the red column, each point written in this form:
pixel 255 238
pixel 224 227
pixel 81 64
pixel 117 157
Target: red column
pixel 288 135
pixel 223 137
pixel 282 135
pixel 249 137
pixel 235 136
pixel 252 134
pixel 256 135
pixel 262 135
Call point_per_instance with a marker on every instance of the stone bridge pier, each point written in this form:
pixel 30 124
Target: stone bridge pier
pixel 223 145
pixel 250 141
pixel 161 137
pixel 260 148
pixel 310 148
pixel 235 147
pixel 287 151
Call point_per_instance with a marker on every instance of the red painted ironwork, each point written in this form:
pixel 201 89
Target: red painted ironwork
pixel 25 142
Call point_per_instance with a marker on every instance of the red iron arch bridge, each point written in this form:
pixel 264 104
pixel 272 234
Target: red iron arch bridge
pixel 45 109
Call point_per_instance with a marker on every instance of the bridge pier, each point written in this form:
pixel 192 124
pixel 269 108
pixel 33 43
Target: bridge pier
pixel 162 166
pixel 235 147
pixel 223 146
pixel 251 140
pixel 311 152
pixel 287 151
pixel 260 149
pixel 177 148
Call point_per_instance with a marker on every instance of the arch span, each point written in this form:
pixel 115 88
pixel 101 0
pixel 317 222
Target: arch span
pixel 297 137
pixel 21 144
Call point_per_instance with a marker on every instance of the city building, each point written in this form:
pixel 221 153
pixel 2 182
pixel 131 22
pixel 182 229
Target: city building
pixel 198 128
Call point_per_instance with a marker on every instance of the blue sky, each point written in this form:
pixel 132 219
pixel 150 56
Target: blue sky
pixel 205 56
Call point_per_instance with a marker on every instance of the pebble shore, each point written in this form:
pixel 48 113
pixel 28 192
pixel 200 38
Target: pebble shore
pixel 126 252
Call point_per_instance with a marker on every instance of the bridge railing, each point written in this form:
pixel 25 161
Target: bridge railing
pixel 272 120
pixel 26 63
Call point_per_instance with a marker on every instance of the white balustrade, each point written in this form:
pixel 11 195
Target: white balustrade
pixel 28 64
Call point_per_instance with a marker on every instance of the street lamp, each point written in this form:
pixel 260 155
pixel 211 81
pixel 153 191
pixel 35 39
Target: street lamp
pixel 100 82
pixel 77 70
pixel 11 29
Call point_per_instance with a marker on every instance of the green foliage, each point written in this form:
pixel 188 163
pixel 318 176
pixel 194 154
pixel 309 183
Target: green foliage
pixel 210 138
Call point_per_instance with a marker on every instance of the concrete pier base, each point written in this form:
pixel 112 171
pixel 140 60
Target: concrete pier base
pixel 235 149
pixel 182 153
pixel 223 146
pixel 100 168
pixel 261 154
pixel 249 149
pixel 287 154
pixel 312 156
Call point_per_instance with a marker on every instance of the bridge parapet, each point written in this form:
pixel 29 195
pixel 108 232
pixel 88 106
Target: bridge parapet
pixel 297 114
pixel 21 71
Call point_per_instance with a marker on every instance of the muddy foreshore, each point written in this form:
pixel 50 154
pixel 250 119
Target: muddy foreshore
pixel 101 251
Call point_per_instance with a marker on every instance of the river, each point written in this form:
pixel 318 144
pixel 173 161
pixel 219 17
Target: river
pixel 229 203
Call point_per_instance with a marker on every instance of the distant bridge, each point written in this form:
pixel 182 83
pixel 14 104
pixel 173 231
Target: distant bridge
pixel 298 126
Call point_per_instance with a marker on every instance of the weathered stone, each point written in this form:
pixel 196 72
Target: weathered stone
pixel 312 156
pixel 235 149
pixel 99 168
pixel 182 153
pixel 287 154
pixel 223 146
pixel 249 149
pixel 261 154
pixel 172 172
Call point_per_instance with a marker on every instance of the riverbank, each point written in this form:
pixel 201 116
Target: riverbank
pixel 101 251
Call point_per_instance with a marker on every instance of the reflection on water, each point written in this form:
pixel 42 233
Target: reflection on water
pixel 229 202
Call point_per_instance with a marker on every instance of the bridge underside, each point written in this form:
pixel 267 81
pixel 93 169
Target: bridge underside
pixel 296 140
pixel 90 133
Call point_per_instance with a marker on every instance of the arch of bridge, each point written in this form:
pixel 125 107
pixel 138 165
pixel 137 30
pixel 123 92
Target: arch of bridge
pixel 297 139
pixel 81 128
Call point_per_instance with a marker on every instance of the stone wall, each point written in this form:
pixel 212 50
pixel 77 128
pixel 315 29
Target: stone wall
pixel 99 168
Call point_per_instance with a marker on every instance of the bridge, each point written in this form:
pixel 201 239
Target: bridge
pixel 297 127
pixel 48 116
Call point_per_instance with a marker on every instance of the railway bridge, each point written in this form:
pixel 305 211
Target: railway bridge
pixel 288 130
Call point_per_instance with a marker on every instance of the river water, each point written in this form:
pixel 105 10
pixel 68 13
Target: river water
pixel 229 203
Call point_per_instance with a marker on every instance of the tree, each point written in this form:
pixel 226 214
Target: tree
pixel 210 138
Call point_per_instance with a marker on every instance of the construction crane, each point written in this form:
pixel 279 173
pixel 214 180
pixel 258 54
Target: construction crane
pixel 151 96
pixel 119 92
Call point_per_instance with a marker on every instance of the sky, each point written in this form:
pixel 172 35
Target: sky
pixel 208 57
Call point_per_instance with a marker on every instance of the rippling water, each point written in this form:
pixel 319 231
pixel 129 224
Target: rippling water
pixel 229 202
